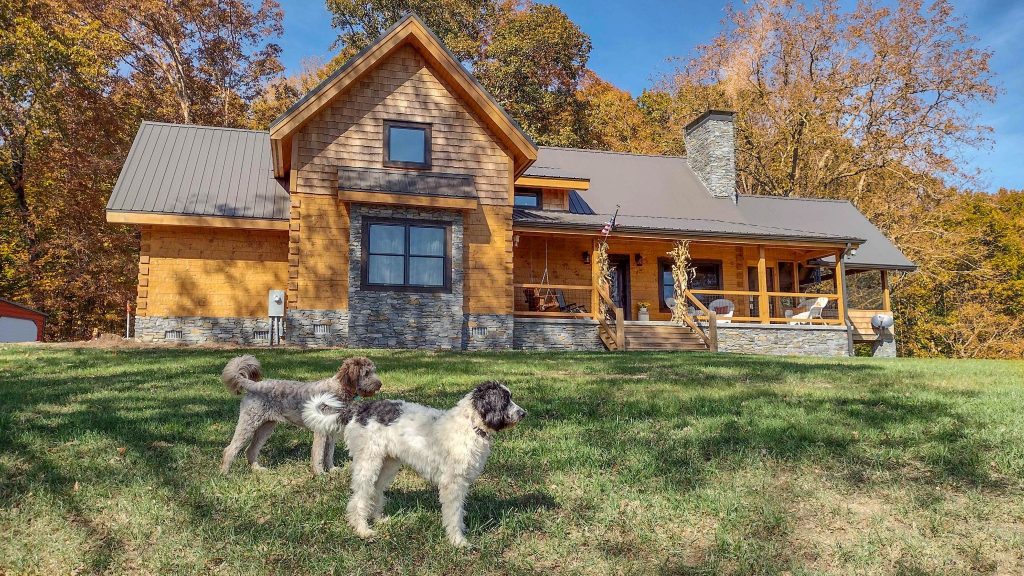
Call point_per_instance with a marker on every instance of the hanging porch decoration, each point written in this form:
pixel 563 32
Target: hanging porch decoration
pixel 604 269
pixel 682 272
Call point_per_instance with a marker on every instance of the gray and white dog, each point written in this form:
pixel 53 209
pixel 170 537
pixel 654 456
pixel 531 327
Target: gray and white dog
pixel 449 448
pixel 268 402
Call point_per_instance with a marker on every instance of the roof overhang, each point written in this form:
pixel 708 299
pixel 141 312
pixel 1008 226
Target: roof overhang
pixel 410 30
pixel 153 219
pixel 553 182
pixel 724 237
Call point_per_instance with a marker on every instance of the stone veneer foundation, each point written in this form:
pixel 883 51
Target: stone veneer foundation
pixel 386 319
pixel 556 334
pixel 783 340
pixel 201 330
pixel 487 331
pixel 317 327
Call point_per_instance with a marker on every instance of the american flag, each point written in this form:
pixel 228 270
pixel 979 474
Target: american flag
pixel 610 225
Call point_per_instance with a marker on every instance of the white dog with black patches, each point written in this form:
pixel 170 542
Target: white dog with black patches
pixel 449 448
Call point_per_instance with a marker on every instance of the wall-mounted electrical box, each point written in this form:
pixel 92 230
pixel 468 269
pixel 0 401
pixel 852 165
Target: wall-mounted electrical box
pixel 275 303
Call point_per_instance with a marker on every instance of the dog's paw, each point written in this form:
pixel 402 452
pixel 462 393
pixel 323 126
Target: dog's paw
pixel 460 542
pixel 335 470
pixel 366 533
pixel 257 468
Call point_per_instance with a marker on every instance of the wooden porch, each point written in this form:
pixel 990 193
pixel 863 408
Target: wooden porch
pixel 556 276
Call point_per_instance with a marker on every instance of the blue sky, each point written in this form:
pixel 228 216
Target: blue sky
pixel 632 42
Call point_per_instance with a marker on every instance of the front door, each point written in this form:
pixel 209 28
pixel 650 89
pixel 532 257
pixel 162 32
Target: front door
pixel 619 289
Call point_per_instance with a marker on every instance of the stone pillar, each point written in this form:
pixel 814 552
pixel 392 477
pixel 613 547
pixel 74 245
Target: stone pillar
pixel 885 346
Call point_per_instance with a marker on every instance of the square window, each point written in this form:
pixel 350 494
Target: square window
pixel 406 144
pixel 412 256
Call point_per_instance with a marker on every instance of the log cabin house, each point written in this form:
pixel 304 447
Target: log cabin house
pixel 398 206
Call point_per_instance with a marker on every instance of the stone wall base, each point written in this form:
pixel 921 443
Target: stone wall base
pixel 556 334
pixel 202 330
pixel 487 331
pixel 885 346
pixel 317 327
pixel 784 340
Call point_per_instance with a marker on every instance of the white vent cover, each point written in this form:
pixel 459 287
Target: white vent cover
pixel 261 334
pixel 173 335
pixel 321 329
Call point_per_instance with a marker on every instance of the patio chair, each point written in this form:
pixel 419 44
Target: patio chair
pixel 572 308
pixel 812 309
pixel 724 309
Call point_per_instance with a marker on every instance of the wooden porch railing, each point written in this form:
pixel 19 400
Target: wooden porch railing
pixel 759 306
pixel 711 336
pixel 619 332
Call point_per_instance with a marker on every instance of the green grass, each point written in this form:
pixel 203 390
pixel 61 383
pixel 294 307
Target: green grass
pixel 628 463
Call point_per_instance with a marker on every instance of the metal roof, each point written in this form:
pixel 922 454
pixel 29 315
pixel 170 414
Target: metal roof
pixel 200 171
pixel 663 193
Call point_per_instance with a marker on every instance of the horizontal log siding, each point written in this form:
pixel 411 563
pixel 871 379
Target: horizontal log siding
pixel 318 246
pixel 210 272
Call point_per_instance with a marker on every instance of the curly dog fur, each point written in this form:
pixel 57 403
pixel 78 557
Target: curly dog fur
pixel 268 402
pixel 449 448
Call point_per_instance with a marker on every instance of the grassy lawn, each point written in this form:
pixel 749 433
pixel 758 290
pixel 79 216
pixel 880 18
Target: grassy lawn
pixel 628 463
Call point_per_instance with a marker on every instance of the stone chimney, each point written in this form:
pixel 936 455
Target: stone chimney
pixel 711 151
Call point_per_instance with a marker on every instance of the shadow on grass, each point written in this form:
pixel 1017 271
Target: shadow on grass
pixel 668 418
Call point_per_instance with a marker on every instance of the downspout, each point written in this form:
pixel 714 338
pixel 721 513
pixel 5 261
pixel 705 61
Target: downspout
pixel 850 351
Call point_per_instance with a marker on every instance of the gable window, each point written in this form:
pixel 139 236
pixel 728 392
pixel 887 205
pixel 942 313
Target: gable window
pixel 406 144
pixel 528 199
pixel 707 275
pixel 406 255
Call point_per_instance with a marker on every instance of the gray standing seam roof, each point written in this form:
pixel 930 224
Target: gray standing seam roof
pixel 663 193
pixel 200 171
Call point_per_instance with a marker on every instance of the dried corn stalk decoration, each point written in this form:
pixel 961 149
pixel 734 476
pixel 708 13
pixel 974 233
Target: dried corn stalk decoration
pixel 681 275
pixel 605 275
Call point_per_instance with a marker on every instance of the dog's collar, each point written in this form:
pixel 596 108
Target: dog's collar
pixel 482 433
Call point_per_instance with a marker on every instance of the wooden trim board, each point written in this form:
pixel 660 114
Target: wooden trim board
pixel 196 221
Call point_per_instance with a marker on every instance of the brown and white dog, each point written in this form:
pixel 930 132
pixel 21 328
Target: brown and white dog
pixel 268 402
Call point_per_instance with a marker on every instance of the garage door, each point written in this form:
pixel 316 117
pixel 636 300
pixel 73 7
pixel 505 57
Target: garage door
pixel 17 330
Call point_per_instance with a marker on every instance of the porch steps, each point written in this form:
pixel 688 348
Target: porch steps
pixel 649 336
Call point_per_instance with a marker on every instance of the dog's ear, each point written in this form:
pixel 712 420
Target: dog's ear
pixel 351 372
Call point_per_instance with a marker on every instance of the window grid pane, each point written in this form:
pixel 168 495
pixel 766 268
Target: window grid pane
pixel 386 270
pixel 426 241
pixel 387 239
pixel 426 271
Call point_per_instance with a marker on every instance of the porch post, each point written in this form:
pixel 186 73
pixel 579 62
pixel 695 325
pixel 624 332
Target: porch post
pixel 595 278
pixel 840 276
pixel 886 295
pixel 762 287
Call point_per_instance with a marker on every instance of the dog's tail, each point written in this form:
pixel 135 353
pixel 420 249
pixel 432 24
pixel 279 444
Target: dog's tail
pixel 241 372
pixel 326 414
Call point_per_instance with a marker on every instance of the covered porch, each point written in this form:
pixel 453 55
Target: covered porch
pixel 781 289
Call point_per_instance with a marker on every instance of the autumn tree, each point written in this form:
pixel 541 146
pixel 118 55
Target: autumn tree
pixel 530 57
pixel 618 122
pixel 46 56
pixel 214 55
pixel 829 99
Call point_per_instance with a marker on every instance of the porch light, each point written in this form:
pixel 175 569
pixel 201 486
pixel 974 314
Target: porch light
pixel 639 259
pixel 586 257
